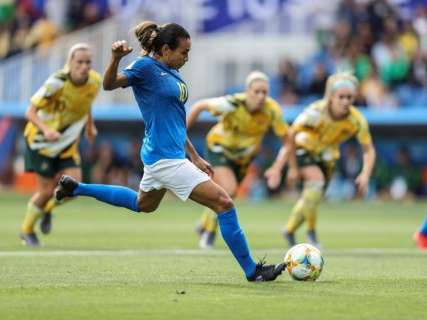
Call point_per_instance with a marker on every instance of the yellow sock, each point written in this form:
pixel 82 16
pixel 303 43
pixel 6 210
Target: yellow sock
pixel 31 216
pixel 204 220
pixel 297 217
pixel 212 223
pixel 52 203
pixel 209 220
pixel 313 194
pixel 306 207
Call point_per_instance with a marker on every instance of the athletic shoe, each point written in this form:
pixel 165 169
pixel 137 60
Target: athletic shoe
pixel 312 239
pixel 29 239
pixel 65 188
pixel 421 240
pixel 290 237
pixel 207 240
pixel 266 272
pixel 46 223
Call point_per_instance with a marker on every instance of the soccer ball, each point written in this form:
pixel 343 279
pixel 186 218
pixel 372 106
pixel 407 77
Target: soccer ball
pixel 304 262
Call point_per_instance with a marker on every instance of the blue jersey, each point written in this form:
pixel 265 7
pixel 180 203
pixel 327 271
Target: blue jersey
pixel 160 93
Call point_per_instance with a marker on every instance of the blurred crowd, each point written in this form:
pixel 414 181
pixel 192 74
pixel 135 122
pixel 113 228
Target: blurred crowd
pixel 30 24
pixel 383 48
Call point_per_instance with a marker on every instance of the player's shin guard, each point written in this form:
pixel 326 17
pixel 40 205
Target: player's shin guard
pixel 312 196
pixel 32 214
pixel 115 195
pixel 235 239
pixel 52 203
pixel 296 218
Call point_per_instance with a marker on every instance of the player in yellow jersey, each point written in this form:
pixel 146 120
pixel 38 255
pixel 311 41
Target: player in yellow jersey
pixel 235 140
pixel 315 136
pixel 58 113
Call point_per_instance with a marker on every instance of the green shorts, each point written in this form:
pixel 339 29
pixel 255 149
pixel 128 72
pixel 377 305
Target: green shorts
pixel 45 166
pixel 217 159
pixel 305 159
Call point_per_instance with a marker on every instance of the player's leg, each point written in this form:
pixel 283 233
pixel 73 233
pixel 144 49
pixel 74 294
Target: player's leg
pixel 210 194
pixel 147 200
pixel 45 187
pixel 421 236
pixel 70 169
pixel 225 177
pixel 306 206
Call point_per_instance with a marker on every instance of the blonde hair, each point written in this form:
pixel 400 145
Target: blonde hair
pixel 72 51
pixel 255 75
pixel 339 80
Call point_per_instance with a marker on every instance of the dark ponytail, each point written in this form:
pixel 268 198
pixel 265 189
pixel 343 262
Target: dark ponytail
pixel 152 37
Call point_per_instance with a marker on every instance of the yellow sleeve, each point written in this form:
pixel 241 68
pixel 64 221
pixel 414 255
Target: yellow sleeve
pixel 220 105
pixel 47 92
pixel 278 124
pixel 308 119
pixel 363 135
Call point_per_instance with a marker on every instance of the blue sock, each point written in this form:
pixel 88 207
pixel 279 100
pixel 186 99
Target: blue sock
pixel 235 238
pixel 115 195
pixel 423 229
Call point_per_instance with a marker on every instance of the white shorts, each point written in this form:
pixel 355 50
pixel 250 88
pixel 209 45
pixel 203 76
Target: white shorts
pixel 180 176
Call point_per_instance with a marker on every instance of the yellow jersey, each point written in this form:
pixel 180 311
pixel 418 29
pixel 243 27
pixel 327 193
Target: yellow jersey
pixel 64 107
pixel 319 134
pixel 239 133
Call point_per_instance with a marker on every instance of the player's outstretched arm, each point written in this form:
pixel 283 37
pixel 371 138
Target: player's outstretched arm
pixel 369 155
pixel 195 111
pixel 285 155
pixel 112 79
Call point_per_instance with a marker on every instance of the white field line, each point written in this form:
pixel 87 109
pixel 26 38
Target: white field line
pixel 196 252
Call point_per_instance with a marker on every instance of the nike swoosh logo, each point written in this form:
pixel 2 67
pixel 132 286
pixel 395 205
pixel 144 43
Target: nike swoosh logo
pixel 163 74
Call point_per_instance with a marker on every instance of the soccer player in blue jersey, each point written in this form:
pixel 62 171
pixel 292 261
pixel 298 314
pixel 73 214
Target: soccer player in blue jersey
pixel 161 93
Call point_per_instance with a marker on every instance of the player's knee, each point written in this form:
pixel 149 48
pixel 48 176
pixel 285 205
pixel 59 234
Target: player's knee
pixel 145 207
pixel 46 194
pixel 225 202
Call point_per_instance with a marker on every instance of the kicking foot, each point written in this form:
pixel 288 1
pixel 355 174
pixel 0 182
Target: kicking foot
pixel 29 239
pixel 65 188
pixel 266 272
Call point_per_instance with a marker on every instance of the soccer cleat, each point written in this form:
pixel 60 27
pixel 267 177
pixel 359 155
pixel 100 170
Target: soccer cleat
pixel 312 239
pixel 65 188
pixel 46 223
pixel 290 237
pixel 421 240
pixel 207 240
pixel 266 272
pixel 29 239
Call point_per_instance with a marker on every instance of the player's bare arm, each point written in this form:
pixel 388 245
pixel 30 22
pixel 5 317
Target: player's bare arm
pixel 198 108
pixel 112 79
pixel 49 133
pixel 362 180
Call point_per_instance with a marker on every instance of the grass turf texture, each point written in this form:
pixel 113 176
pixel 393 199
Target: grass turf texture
pixel 102 262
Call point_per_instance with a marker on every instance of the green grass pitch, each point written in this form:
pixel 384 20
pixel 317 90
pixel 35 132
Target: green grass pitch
pixel 105 263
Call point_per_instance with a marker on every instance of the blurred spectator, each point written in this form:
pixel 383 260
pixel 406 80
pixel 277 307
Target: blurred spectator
pixel 375 92
pixel 288 83
pixel 389 56
pixel 316 87
pixel 418 69
pixel 405 176
pixel 420 24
